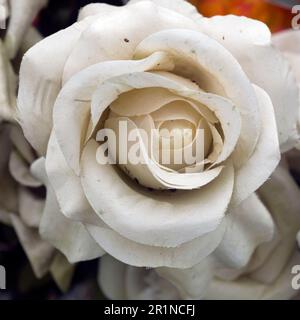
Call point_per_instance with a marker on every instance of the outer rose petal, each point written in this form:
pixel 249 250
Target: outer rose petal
pixel 19 169
pixel 102 41
pixel 40 253
pixel 157 220
pixel 30 208
pixel 247 289
pixel 70 237
pixel 191 283
pixel 250 42
pixel 265 157
pixel 67 186
pixel 111 278
pixel 120 281
pixel 102 10
pixel 288 43
pixel 248 226
pixel 62 271
pixel 268 275
pixel 133 253
pixel 40 82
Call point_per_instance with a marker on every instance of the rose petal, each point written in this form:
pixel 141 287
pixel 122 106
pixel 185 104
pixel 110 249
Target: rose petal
pixel 199 57
pixel 62 272
pixel 102 41
pixel 247 289
pixel 281 195
pixel 30 208
pixel 248 226
pixel 224 110
pixel 111 278
pixel 191 283
pixel 40 82
pixel 39 252
pixel 20 171
pixel 72 106
pixel 67 186
pixel 250 42
pixel 70 237
pixel 265 157
pixel 148 172
pixel 133 253
pixel 150 219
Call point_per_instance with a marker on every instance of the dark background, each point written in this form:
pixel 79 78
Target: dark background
pixel 62 13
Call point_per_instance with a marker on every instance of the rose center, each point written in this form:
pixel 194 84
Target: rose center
pixel 176 134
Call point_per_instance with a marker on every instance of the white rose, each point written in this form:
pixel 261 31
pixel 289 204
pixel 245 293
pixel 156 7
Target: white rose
pixel 161 63
pixel 265 273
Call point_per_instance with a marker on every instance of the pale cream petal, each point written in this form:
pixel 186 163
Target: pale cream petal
pixel 198 57
pixel 20 171
pixel 287 41
pixel 69 237
pixel 40 82
pixel 248 226
pixel 39 252
pixel 30 208
pixel 281 196
pixel 266 156
pixel 148 173
pixel 111 278
pixel 153 219
pixel 62 272
pixel 247 289
pixel 72 107
pixel 21 145
pixel 269 273
pixel 177 110
pixel 67 186
pixel 135 254
pixel 191 283
pixel 102 41
pixel 250 43
pixel 146 284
